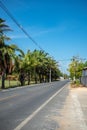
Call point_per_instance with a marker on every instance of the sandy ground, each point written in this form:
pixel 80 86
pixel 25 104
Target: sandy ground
pixel 74 112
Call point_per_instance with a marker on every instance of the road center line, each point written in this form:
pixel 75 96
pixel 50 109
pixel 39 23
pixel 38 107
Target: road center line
pixel 8 97
pixel 23 123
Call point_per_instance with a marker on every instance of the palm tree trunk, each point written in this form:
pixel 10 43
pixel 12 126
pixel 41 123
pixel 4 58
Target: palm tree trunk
pixel 35 75
pixel 28 78
pixel 3 80
pixel 40 78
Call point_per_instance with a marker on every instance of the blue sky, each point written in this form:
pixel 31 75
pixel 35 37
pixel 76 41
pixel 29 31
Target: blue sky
pixel 58 26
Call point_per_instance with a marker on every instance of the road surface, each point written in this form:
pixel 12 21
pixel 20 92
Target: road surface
pixel 20 105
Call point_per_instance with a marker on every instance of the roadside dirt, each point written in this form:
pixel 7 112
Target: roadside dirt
pixel 72 115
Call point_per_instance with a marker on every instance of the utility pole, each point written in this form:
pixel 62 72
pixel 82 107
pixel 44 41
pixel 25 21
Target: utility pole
pixel 50 75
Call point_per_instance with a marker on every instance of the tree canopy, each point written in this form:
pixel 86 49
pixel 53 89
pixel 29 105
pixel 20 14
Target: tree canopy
pixel 35 65
pixel 75 67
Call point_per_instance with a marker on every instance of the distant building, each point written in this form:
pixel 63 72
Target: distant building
pixel 84 76
pixel 61 78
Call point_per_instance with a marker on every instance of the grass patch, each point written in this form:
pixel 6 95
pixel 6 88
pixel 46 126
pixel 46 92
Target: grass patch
pixel 9 84
pixel 13 83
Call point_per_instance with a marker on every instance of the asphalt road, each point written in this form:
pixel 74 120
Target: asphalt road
pixel 17 104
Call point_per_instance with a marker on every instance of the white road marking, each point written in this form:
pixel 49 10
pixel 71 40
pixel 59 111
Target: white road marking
pixel 79 112
pixel 23 123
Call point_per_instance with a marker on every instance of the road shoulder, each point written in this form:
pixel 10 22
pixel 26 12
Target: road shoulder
pixel 74 113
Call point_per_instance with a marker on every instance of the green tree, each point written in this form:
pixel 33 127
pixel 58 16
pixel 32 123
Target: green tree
pixel 39 66
pixel 4 57
pixel 41 58
pixel 85 64
pixel 75 68
pixel 53 70
pixel 27 65
pixel 7 52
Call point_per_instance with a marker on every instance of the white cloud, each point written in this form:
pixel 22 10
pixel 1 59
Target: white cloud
pixel 17 36
pixel 42 32
pixel 36 32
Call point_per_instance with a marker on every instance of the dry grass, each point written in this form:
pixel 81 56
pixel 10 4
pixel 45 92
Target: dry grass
pixel 76 84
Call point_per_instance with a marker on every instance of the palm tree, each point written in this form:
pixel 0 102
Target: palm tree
pixel 41 68
pixel 3 28
pixel 7 52
pixel 34 64
pixel 52 69
pixel 40 65
pixel 27 64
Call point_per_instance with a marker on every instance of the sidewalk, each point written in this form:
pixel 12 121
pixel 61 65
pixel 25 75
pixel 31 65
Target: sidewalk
pixel 74 112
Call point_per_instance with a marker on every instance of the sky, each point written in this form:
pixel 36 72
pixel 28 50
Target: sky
pixel 58 26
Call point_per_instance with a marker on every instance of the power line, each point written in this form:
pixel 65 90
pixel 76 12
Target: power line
pixel 24 31
pixel 15 21
pixel 81 59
